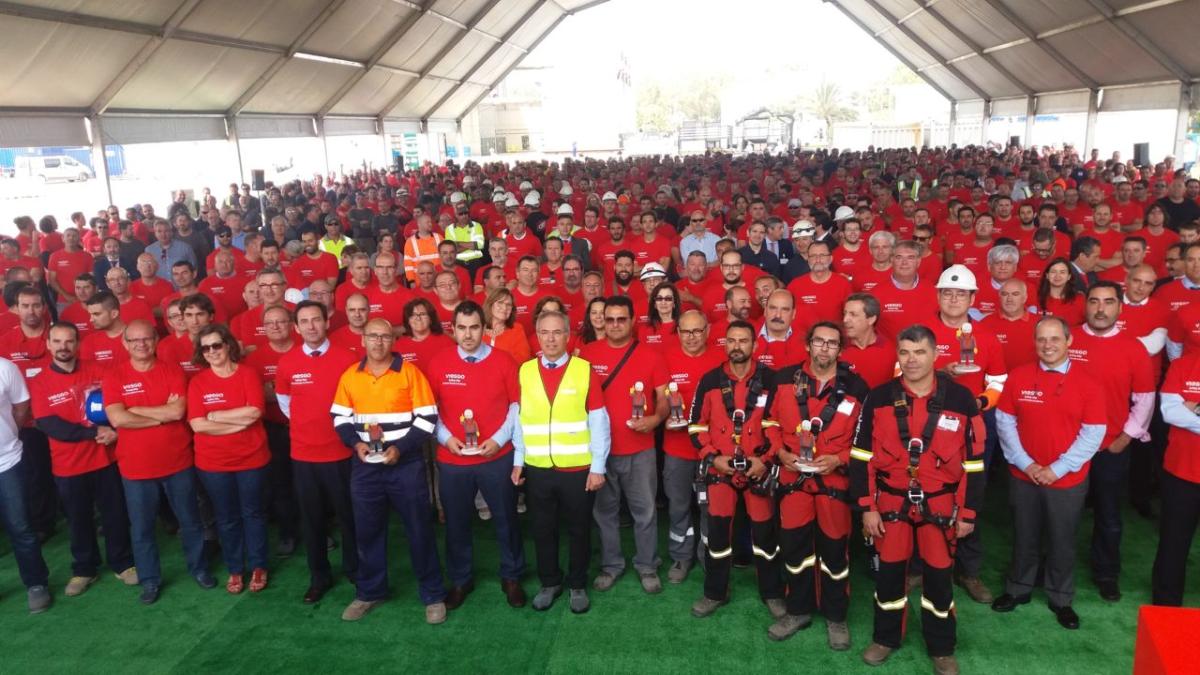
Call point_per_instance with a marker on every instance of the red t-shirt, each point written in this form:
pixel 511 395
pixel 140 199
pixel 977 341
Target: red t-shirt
pixel 875 363
pixel 1050 408
pixel 29 263
pixel 1121 365
pixel 974 257
pixel 311 382
pixel 900 308
pixel 1110 240
pixel 348 289
pixel 135 309
pixel 849 262
pixel 64 395
pixel 153 452
pixel 240 451
pixel 387 305
pixel 1156 248
pixel 989 355
pixel 348 340
pixel 645 365
pixel 523 306
pixel 487 388
pixel 67 265
pixel 867 278
pixel 76 313
pixel 778 354
pixel 101 349
pixel 421 353
pixel 527 245
pixel 818 301
pixel 1071 312
pixel 305 269
pixel 151 294
pixel 226 292
pixel 1175 295
pixel 265 362
pixel 685 371
pixel 20 349
pixel 1015 337
pixel 1183 446
pixel 645 252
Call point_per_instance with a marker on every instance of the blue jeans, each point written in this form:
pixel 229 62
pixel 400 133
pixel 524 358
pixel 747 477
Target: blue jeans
pixel 458 485
pixel 376 489
pixel 14 513
pixel 141 496
pixel 237 499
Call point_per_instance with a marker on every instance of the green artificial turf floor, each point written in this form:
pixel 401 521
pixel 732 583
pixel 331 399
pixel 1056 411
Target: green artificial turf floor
pixel 195 631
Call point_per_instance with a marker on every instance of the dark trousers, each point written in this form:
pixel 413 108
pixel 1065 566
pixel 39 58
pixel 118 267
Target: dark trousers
pixel 82 496
pixel 1180 515
pixel 1145 464
pixel 141 496
pixel 320 485
pixel 458 485
pixel 14 514
pixel 402 487
pixel 280 495
pixel 1052 512
pixel 718 559
pixel 969 558
pixel 40 495
pixel 553 495
pixel 241 522
pixel 1108 477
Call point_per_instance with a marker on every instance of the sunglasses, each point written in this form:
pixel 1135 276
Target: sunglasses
pixel 212 347
pixel 615 320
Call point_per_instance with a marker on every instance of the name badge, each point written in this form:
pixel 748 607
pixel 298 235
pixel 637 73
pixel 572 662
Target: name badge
pixel 762 401
pixel 845 408
pixel 948 423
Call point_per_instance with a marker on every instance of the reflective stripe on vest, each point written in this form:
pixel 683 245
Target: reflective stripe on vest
pixel 464 234
pixel 556 434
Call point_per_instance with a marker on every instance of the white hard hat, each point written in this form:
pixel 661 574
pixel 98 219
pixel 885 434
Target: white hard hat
pixel 456 197
pixel 511 202
pixel 565 210
pixel 957 277
pixel 609 196
pixel 468 180
pixel 843 213
pixel 525 185
pixel 533 198
pixel 652 270
pixel 804 228
pixel 293 295
pixel 499 195
pixel 566 189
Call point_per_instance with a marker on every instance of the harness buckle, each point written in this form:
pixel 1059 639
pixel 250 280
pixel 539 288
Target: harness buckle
pixel 916 496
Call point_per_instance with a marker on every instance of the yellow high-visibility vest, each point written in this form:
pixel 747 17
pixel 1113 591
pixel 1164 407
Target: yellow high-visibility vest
pixel 556 432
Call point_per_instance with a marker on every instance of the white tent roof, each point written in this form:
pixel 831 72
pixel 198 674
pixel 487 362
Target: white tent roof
pixel 412 62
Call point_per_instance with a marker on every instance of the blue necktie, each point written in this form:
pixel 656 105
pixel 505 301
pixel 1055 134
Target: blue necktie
pixel 471 359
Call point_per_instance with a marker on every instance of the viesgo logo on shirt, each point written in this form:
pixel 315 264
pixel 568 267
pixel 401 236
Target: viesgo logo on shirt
pixel 213 398
pixel 133 388
pixel 1191 387
pixel 299 379
pixel 1078 354
pixel 455 380
pixel 1029 396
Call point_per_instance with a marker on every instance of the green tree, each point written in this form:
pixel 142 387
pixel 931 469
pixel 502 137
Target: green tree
pixel 826 104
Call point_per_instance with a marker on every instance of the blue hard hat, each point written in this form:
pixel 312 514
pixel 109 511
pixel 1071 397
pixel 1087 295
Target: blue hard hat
pixel 94 408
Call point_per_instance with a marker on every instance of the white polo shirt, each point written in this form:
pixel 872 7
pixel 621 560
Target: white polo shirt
pixel 12 391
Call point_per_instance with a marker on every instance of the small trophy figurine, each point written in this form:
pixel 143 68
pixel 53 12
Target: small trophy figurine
pixel 966 350
pixel 740 462
pixel 676 420
pixel 375 454
pixel 470 433
pixel 637 397
pixel 807 432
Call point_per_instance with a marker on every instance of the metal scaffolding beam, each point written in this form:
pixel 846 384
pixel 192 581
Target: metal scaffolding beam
pixel 916 39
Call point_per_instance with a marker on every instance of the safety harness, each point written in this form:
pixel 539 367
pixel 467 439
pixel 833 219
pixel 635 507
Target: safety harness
pixel 915 495
pixel 802 384
pixel 737 415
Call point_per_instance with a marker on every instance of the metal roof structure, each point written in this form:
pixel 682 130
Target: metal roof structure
pixel 156 70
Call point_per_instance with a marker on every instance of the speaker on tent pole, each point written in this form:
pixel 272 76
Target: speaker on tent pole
pixel 1014 141
pixel 1141 154
pixel 258 179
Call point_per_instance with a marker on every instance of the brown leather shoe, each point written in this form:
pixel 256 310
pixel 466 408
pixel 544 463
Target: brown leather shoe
pixel 513 592
pixel 875 654
pixel 945 665
pixel 975 588
pixel 457 595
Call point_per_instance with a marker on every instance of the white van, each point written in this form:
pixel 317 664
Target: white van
pixel 52 167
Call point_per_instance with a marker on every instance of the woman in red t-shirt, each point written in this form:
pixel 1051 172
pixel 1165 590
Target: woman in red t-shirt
pixel 225 408
pixel 593 328
pixel 664 313
pixel 503 332
pixel 423 337
pixel 1058 294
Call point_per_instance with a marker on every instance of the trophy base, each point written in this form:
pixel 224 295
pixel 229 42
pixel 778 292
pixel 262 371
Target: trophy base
pixel 375 458
pixel 807 469
pixel 678 424
pixel 470 451
pixel 967 368
pixel 629 422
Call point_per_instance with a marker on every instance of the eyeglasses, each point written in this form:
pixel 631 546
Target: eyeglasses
pixel 377 337
pixel 818 343
pixel 552 333
pixel 269 284
pixel 922 239
pixel 691 332
pixel 664 298
pixel 212 347
pixel 139 340
pixel 615 320
pixel 697 220
pixel 277 323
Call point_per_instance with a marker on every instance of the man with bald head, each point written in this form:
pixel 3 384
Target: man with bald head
pixel 132 308
pixel 738 303
pixel 1012 323
pixel 149 287
pixel 247 327
pixel 350 336
pixel 384 411
pixel 224 286
pixel 146 402
pixel 387 297
pixel 250 294
pixel 358 279
pixel 322 291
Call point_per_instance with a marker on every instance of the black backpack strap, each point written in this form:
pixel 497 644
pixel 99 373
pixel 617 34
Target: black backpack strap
pixel 617 368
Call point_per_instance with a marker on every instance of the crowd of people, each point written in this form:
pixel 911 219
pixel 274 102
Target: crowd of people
pixel 775 352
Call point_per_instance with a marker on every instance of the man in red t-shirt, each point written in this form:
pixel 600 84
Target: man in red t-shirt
pixel 635 392
pixel 527 292
pixel 146 400
pixel 870 355
pixel 687 361
pixel 387 297
pixel 313 263
pixel 66 264
pixel 1012 324
pixel 1051 424
pixel 76 313
pixel 132 308
pixel 904 297
pixel 779 344
pixel 476 386
pixel 224 286
pixel 305 382
pixel 104 346
pixel 1180 480
pixel 820 293
pixel 83 462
